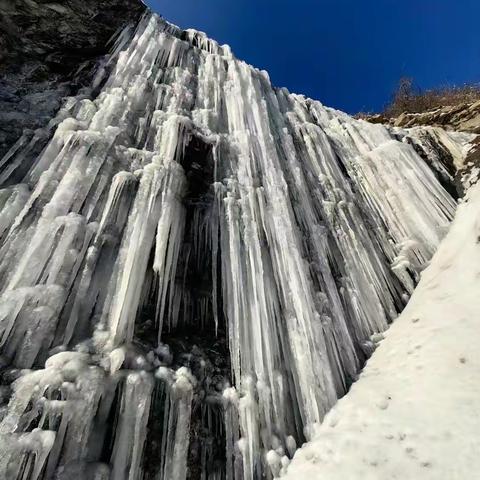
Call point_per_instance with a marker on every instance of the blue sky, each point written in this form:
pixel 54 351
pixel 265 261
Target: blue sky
pixel 349 54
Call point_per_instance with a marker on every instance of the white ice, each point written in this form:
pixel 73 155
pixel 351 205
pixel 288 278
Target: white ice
pixel 413 413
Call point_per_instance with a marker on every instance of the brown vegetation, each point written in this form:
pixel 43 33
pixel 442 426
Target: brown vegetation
pixel 410 99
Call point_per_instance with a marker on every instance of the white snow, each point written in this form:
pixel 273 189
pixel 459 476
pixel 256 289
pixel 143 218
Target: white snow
pixel 414 412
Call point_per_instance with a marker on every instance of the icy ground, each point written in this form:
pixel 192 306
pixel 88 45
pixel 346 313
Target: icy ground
pixel 414 413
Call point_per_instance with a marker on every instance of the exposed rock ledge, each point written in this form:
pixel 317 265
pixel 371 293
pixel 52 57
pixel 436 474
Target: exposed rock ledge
pixel 47 49
pixel 464 118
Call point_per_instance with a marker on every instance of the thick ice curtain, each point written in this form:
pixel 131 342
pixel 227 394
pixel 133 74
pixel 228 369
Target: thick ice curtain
pixel 195 267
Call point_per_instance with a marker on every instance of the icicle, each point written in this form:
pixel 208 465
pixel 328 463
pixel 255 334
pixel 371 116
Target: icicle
pixel 27 454
pixel 131 431
pixel 232 428
pixel 169 238
pixel 177 424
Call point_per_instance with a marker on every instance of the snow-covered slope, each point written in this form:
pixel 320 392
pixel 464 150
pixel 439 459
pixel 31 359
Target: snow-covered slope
pixel 414 413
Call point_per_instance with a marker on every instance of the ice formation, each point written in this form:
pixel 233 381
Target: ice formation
pixel 412 414
pixel 197 265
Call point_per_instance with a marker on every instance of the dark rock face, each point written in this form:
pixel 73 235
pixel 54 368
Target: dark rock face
pixel 47 51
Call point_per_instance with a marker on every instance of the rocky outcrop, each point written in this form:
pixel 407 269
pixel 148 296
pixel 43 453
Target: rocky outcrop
pixel 465 118
pixel 462 118
pixel 47 51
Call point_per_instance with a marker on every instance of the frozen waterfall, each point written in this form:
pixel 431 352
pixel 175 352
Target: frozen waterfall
pixel 196 266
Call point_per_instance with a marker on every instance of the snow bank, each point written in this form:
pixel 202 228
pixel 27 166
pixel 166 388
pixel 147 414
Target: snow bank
pixel 414 413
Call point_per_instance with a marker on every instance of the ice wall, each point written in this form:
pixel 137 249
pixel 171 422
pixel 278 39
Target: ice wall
pixel 412 414
pixel 196 267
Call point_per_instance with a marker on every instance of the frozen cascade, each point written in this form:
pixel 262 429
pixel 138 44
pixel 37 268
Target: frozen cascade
pixel 197 265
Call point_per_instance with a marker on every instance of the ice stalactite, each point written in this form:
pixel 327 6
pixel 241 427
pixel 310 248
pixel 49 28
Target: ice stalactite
pixel 176 436
pixel 196 266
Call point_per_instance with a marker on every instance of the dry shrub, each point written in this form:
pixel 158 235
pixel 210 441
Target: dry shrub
pixel 410 99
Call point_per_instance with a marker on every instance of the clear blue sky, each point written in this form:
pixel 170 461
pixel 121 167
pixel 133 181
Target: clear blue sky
pixel 349 54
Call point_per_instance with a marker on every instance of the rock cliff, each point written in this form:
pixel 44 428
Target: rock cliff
pixel 47 51
pixel 464 118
